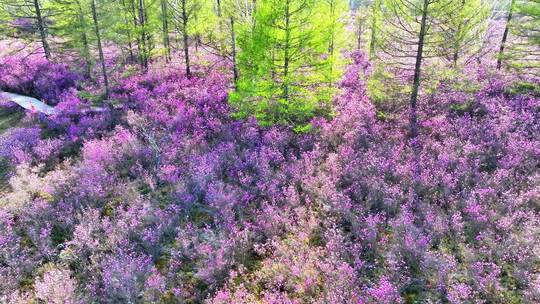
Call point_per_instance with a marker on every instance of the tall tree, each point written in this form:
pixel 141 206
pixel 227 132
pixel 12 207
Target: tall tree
pixel 524 52
pixel 185 17
pixel 463 31
pixel 70 22
pixel 281 71
pixel 505 34
pixel 165 29
pixel 42 29
pixel 97 32
pixel 375 20
pixel 20 10
pixel 412 34
pixel 333 14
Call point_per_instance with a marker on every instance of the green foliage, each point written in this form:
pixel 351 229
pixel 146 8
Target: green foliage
pixel 524 87
pixel 60 234
pixel 464 30
pixel 523 54
pixel 287 67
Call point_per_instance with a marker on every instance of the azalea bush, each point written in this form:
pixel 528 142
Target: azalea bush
pixel 35 76
pixel 168 199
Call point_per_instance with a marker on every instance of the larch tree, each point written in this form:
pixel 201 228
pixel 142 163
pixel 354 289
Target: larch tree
pixel 281 64
pixel 97 32
pixel 165 29
pixel 463 31
pixel 375 23
pixel 34 10
pixel 505 33
pixel 185 17
pixel 73 23
pixel 524 52
pixel 333 15
pixel 411 35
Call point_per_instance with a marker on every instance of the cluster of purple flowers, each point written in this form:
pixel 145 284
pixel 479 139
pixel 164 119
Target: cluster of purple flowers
pixel 169 200
pixel 35 76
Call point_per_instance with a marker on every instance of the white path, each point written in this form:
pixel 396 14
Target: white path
pixel 29 103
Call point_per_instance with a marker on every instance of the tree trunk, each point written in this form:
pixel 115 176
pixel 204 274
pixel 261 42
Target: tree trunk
pixel 457 44
pixel 84 37
pixel 359 29
pixel 100 49
pixel 331 45
pixel 286 50
pixel 372 42
pixel 218 8
pixel 126 22
pixel 136 25
pixel 233 47
pixel 165 25
pixel 143 38
pixel 185 37
pixel 505 35
pixel 414 95
pixel 42 31
pixel 417 72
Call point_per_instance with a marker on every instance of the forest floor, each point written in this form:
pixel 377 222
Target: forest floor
pixel 9 119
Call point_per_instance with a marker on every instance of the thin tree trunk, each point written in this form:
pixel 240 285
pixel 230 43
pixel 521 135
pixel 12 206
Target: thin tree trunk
pixel 359 37
pixel 414 94
pixel 126 22
pixel 372 42
pixel 136 25
pixel 100 49
pixel 332 37
pixel 286 55
pixel 143 38
pixel 218 8
pixel 165 25
pixel 222 48
pixel 417 72
pixel 457 45
pixel 84 37
pixel 233 47
pixel 185 37
pixel 505 35
pixel 42 31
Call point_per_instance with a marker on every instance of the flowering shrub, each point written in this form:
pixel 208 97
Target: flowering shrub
pixel 35 76
pixel 167 199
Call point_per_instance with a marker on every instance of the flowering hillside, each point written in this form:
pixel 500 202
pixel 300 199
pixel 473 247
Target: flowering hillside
pixel 168 199
pixel 269 152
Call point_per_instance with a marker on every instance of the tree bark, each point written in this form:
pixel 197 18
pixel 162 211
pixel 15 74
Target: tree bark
pixel 165 27
pixel 185 38
pixel 505 35
pixel 359 35
pixel 100 49
pixel 417 72
pixel 414 98
pixel 86 46
pixel 126 22
pixel 286 50
pixel 143 38
pixel 233 47
pixel 372 42
pixel 42 31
